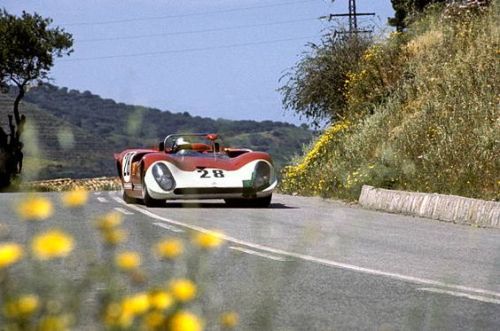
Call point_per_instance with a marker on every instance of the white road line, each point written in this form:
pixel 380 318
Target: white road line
pixel 101 199
pixel 393 275
pixel 460 294
pixel 97 193
pixel 169 227
pixel 252 252
pixel 123 211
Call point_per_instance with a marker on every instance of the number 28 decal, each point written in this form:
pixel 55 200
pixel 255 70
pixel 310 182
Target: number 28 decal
pixel 215 173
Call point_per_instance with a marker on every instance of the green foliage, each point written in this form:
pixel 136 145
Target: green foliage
pixel 405 9
pixel 28 47
pixel 434 123
pixel 315 87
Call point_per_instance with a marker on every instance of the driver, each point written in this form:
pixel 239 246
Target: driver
pixel 182 144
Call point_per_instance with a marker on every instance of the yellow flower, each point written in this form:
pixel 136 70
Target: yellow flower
pixel 136 304
pixel 10 253
pixel 169 248
pixel 208 240
pixel 160 300
pixel 229 320
pixel 186 321
pixel 114 236
pixel 75 198
pixel 128 260
pixel 52 244
pixel 35 209
pixel 153 320
pixel 55 322
pixel 115 316
pixel 109 221
pixel 22 307
pixel 183 289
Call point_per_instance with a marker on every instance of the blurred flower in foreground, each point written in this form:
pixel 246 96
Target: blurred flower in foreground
pixel 160 300
pixel 208 240
pixel 183 289
pixel 76 198
pixel 35 208
pixel 136 304
pixel 10 253
pixel 153 320
pixel 114 236
pixel 61 322
pixel 109 221
pixel 52 244
pixel 169 248
pixel 229 320
pixel 23 306
pixel 128 260
pixel 186 321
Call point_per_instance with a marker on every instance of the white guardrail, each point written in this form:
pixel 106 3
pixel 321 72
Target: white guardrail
pixel 441 207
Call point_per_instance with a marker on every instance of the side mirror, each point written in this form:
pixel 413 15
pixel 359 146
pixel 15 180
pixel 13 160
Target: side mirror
pixel 161 146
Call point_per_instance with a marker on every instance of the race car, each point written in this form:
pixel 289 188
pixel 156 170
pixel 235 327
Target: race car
pixel 196 166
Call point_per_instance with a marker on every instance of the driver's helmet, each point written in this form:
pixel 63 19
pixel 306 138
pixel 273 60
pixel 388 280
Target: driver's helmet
pixel 181 141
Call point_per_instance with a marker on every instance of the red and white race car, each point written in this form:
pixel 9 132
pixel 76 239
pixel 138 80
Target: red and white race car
pixel 196 166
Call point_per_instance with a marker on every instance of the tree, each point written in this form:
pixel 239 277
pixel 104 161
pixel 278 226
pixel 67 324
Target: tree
pixel 316 86
pixel 404 9
pixel 28 47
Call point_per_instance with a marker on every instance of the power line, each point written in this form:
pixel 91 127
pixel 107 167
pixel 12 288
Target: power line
pixel 139 19
pixel 185 50
pixel 237 27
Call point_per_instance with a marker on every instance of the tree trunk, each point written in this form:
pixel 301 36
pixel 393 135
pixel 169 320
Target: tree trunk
pixel 11 155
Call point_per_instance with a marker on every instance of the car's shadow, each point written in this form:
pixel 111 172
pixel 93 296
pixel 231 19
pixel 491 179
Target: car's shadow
pixel 220 205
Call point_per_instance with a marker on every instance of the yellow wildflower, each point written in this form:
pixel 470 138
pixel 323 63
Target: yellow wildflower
pixel 75 198
pixel 115 316
pixel 153 320
pixel 35 208
pixel 24 306
pixel 10 253
pixel 55 322
pixel 208 240
pixel 186 321
pixel 136 304
pixel 52 244
pixel 229 320
pixel 169 248
pixel 109 221
pixel 183 289
pixel 114 236
pixel 160 300
pixel 128 260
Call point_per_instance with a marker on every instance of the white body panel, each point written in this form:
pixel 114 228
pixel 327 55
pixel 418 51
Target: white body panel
pixel 207 178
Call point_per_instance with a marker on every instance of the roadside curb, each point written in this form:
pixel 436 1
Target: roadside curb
pixel 450 208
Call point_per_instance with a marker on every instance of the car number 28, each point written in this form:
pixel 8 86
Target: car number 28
pixel 213 174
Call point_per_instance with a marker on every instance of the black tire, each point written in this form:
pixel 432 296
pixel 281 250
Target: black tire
pixel 250 203
pixel 148 200
pixel 127 199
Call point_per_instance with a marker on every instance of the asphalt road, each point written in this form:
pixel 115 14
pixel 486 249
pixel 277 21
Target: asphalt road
pixel 313 264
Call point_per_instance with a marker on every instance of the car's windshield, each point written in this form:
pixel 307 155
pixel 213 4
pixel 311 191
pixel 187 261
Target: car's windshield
pixel 194 145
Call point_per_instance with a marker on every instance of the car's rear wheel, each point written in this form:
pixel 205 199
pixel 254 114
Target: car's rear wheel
pixel 263 202
pixel 127 199
pixel 148 200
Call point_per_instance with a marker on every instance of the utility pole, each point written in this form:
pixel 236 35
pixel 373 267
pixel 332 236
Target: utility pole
pixel 353 19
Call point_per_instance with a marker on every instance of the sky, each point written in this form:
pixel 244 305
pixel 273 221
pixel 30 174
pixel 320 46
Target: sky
pixel 213 58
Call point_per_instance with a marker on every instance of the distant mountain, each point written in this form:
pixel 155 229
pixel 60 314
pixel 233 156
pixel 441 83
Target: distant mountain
pixel 74 134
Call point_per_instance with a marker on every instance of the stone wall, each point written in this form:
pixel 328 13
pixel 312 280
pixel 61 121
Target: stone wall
pixel 442 207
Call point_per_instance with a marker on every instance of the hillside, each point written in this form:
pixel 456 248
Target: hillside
pixel 74 134
pixel 422 113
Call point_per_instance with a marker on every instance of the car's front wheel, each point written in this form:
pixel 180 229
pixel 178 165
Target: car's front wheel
pixel 148 200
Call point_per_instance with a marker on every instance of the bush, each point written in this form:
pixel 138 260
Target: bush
pixel 430 121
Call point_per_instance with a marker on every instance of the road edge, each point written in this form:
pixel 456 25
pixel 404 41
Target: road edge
pixel 449 208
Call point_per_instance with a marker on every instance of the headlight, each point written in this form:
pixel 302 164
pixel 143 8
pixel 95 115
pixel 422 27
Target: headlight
pixel 262 175
pixel 163 176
